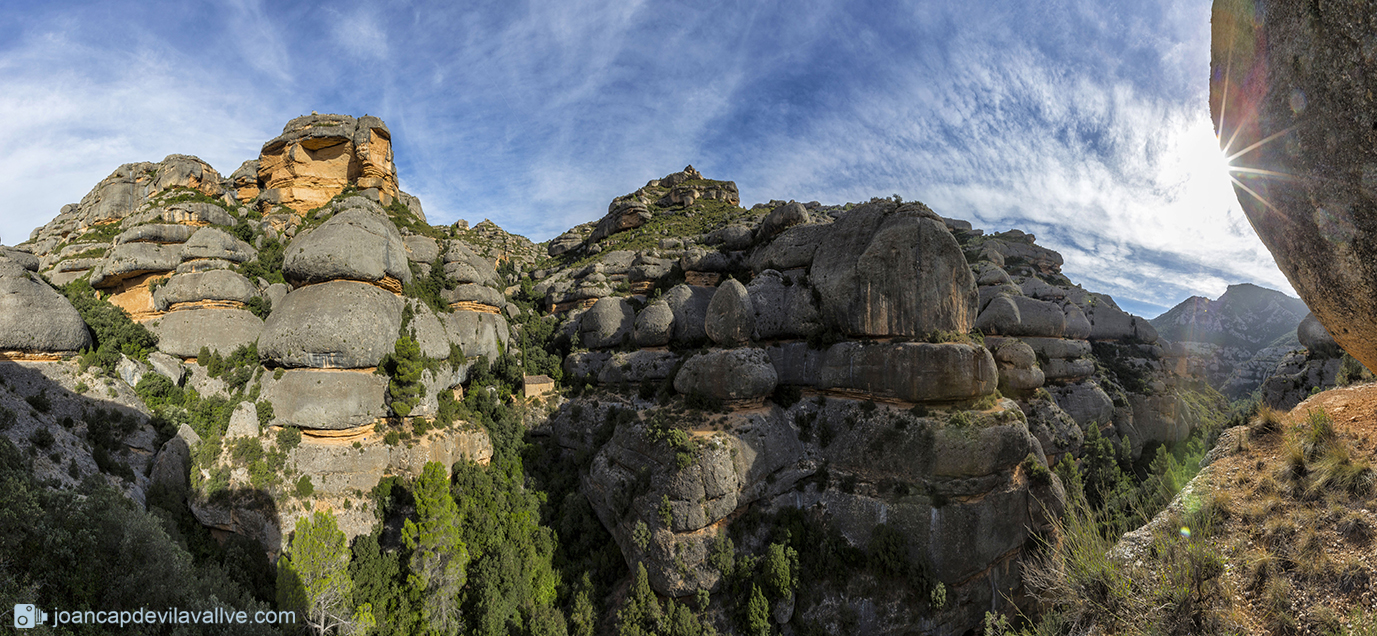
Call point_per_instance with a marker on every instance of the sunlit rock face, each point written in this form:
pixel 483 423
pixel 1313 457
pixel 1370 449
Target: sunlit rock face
pixel 317 156
pixel 1291 97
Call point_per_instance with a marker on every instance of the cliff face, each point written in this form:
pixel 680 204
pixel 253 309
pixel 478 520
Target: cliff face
pixel 1300 137
pixel 864 311
pixel 898 381
pixel 317 156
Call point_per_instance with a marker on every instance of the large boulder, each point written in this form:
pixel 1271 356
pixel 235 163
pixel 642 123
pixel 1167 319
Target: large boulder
pixel 1108 322
pixel 638 366
pixel 780 219
pixel 913 372
pixel 1085 402
pixel 689 303
pixel 34 317
pixel 421 249
pixel 477 333
pixel 1316 338
pixel 1022 316
pixel 156 233
pixel 210 242
pixel 654 325
pixel 318 155
pixel 308 398
pixel 220 284
pixel 183 333
pixel 341 324
pixel 466 266
pixel 357 244
pixel 892 270
pixel 730 319
pixel 134 259
pixel 783 304
pixel 791 249
pixel 25 259
pixel 244 421
pixel 1290 95
pixel 728 374
pixel 607 324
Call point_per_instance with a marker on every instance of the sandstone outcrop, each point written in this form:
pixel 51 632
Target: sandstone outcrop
pixel 318 156
pixel 184 333
pixel 730 320
pixel 728 374
pixel 357 243
pixel 970 540
pixel 889 270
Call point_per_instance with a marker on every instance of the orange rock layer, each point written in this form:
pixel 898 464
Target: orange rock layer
pixel 560 308
pixel 473 306
pixel 206 304
pixel 305 174
pixel 702 279
pixel 135 297
pixel 34 356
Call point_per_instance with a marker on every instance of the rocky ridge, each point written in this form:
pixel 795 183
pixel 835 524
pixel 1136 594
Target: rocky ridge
pixel 874 366
pixel 1236 340
pixel 743 308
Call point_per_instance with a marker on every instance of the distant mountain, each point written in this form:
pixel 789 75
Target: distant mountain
pixel 1235 341
pixel 1245 317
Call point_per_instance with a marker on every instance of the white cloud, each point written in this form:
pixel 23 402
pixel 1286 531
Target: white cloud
pixel 1082 122
pixel 74 113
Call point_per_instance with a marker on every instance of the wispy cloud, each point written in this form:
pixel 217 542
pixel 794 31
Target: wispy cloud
pixel 1084 122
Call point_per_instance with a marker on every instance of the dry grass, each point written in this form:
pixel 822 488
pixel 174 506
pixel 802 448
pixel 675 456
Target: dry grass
pixel 1281 540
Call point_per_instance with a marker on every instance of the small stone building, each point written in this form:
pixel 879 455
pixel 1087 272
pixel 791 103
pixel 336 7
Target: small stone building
pixel 538 386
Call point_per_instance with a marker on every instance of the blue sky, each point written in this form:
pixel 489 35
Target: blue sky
pixel 1085 123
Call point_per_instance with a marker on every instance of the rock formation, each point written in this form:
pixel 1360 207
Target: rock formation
pixel 1296 123
pixel 318 156
pixel 875 367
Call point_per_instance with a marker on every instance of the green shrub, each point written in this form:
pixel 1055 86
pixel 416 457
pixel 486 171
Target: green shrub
pixel 1352 372
pixel 265 415
pixel 260 306
pixel 428 287
pixel 39 401
pixel 156 390
pixel 404 366
pixel 304 487
pixel 1037 472
pixel 113 330
pixel 288 438
pixel 268 265
pixel 42 438
pixel 665 512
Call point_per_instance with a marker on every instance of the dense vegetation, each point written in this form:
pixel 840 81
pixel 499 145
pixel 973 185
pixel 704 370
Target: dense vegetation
pixel 112 330
pixel 98 550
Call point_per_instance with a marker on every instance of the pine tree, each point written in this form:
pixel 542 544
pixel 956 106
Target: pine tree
pixel 405 366
pixel 313 578
pixel 757 614
pixel 439 557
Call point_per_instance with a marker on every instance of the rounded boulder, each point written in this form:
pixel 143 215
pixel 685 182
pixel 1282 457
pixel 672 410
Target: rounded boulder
pixel 340 324
pixel 728 374
pixel 34 317
pixel 357 244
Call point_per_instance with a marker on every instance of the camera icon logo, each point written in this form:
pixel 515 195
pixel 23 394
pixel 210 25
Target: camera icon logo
pixel 27 615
